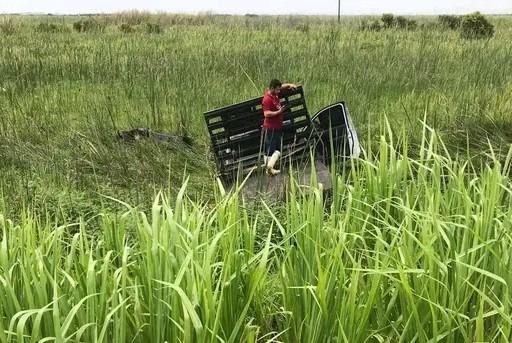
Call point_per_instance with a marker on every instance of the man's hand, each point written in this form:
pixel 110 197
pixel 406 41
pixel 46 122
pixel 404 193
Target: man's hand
pixel 283 108
pixel 270 114
pixel 291 86
pixel 275 113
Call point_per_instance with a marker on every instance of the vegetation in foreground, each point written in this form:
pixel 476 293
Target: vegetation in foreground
pixel 413 250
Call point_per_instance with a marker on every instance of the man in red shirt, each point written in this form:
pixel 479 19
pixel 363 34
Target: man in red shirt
pixel 273 123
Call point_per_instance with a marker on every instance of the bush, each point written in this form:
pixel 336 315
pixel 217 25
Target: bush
pixel 303 27
pixel 451 22
pixel 363 25
pixel 411 24
pixel 51 28
pixel 388 20
pixel 126 28
pixel 375 25
pixel 400 22
pixel 475 25
pixel 153 28
pixel 405 24
pixel 87 25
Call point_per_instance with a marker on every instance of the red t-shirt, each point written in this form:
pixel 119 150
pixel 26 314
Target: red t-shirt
pixel 271 102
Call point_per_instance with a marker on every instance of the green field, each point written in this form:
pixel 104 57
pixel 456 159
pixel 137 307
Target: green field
pixel 103 241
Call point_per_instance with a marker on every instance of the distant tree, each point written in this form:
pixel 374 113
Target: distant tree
pixel 388 20
pixel 475 25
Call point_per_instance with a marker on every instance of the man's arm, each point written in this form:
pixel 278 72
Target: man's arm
pixel 270 114
pixel 267 108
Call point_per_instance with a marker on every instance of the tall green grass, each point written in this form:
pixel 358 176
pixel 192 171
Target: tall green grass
pixel 406 249
pixel 411 245
pixel 63 95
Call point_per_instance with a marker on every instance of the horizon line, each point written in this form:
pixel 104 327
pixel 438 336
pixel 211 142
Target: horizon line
pixel 212 13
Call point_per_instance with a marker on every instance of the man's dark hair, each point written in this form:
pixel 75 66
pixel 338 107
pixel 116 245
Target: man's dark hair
pixel 275 83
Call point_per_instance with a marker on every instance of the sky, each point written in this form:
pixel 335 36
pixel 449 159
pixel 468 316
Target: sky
pixel 330 7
